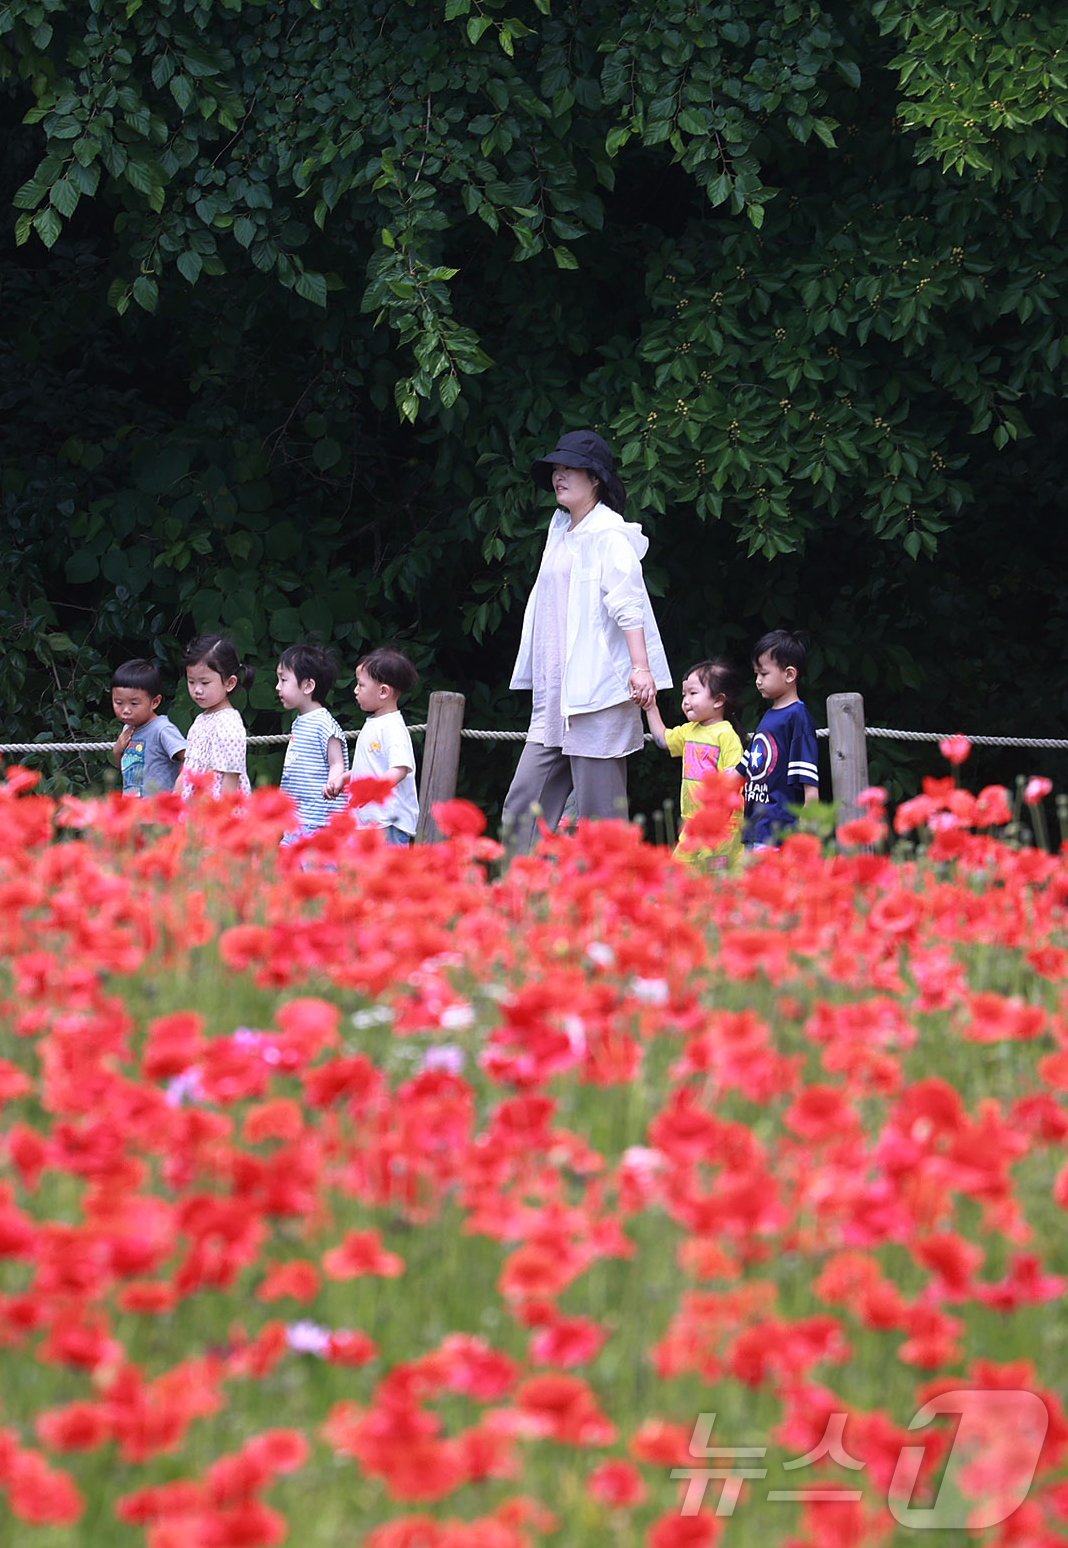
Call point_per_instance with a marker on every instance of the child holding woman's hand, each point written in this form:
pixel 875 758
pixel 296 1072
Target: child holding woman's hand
pixel 710 740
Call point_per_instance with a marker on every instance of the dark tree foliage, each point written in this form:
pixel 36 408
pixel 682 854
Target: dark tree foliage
pixel 294 292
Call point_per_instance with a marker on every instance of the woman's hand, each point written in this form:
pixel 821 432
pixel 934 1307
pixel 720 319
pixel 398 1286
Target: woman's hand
pixel 642 686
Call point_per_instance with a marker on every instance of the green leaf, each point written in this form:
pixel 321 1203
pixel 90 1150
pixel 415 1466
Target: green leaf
pixel 48 226
pixel 29 196
pixel 183 92
pixel 146 292
pixel 144 176
pixel 311 287
pixel 82 567
pixel 190 265
pixel 162 70
pixel 64 196
pixel 86 179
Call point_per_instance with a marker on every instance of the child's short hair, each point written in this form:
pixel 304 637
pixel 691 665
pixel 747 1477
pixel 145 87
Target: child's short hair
pixel 218 654
pixel 392 667
pixel 140 674
pixel 784 647
pixel 311 661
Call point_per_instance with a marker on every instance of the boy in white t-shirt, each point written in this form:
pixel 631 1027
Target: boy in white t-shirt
pixel 384 747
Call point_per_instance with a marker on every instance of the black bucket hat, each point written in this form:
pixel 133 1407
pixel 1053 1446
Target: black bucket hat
pixel 583 449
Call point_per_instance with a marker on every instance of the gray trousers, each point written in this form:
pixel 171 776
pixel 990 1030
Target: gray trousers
pixel 542 783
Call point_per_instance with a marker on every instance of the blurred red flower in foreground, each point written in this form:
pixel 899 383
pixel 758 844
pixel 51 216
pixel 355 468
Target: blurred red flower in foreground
pixel 955 749
pixel 580 1146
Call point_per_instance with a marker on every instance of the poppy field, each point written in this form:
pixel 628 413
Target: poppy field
pixel 355 1195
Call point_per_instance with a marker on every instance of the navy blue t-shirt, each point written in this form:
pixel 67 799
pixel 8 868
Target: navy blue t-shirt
pixel 777 765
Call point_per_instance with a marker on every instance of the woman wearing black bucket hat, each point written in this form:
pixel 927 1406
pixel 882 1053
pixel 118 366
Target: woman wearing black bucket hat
pixel 590 649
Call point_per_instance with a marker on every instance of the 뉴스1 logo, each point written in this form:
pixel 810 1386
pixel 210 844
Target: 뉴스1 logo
pixel 988 1472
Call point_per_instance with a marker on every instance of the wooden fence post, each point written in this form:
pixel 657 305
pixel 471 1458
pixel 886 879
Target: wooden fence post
pixel 441 760
pixel 849 752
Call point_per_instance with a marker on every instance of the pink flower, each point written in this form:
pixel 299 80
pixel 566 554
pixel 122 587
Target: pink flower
pixel 1037 789
pixel 955 749
pixel 617 1484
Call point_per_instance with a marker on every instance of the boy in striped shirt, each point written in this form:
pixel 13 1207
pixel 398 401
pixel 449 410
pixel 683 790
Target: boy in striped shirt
pixel 316 753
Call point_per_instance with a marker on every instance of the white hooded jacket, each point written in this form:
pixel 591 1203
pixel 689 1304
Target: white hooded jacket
pixel 606 595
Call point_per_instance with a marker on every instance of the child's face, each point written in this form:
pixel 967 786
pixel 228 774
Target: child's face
pixel 208 689
pixel 773 681
pixel 698 705
pixel 293 694
pixel 134 706
pixel 370 694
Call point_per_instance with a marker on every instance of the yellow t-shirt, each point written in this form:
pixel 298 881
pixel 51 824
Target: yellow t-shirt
pixel 702 749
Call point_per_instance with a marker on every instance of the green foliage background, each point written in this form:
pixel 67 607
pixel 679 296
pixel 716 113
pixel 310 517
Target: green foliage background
pixel 294 292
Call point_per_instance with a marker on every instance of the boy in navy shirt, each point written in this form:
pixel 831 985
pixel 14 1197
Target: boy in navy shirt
pixel 779 765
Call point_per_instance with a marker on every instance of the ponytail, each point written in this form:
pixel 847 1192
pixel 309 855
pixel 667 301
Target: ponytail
pixel 722 677
pixel 219 654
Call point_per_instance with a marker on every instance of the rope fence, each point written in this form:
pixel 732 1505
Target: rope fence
pixel 846 733
pixel 1054 743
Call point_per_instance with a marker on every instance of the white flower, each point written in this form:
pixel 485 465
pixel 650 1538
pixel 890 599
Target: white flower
pixel 651 991
pixel 446 1057
pixel 374 1016
pixel 575 1031
pixel 308 1338
pixel 642 1159
pixel 455 1017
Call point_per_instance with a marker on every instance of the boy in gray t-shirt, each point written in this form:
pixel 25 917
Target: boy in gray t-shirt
pixel 150 748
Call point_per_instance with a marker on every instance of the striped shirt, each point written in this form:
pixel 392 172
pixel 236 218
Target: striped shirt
pixel 306 771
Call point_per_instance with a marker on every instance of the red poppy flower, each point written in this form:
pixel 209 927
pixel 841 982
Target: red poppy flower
pixel 459 819
pixel 77 1427
pixel 298 1281
pixel 362 1252
pixel 616 1484
pixel 993 808
pixel 39 1493
pixel 860 830
pixel 565 1409
pixel 364 792
pixel 568 1341
pixel 351 1348
pixel 955 749
pixel 678 1531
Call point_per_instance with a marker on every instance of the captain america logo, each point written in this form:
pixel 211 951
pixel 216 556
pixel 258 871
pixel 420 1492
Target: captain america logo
pixel 762 757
